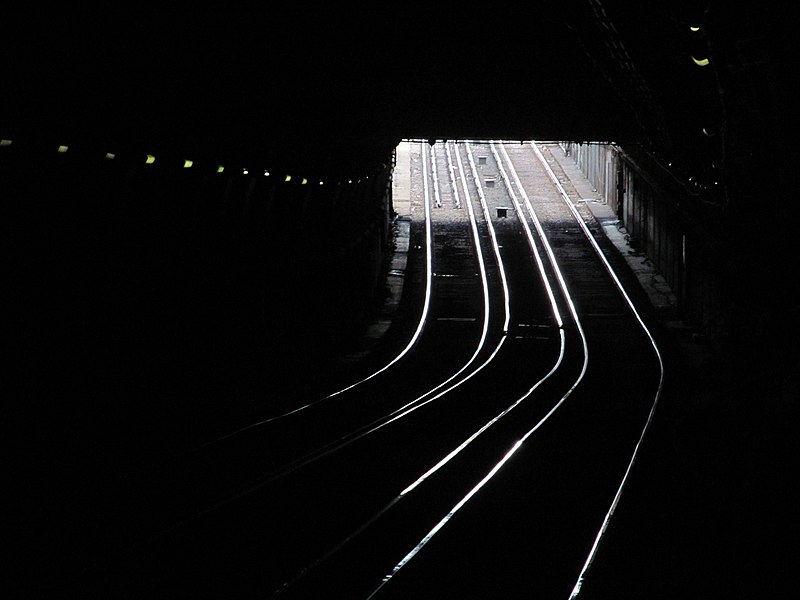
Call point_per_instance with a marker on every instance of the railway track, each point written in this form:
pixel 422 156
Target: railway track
pixel 483 457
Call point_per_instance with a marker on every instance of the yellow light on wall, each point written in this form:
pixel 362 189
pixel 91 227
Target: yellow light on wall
pixel 700 62
pixel 220 168
pixel 5 142
pixel 187 164
pixel 62 149
pixel 150 159
pixel 288 178
pixel 305 181
pixel 110 156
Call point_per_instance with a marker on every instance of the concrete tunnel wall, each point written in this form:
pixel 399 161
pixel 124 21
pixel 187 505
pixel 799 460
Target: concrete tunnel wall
pixel 163 283
pixel 666 226
pixel 728 282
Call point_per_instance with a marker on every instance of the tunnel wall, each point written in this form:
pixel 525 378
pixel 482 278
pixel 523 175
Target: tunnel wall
pixel 669 226
pixel 155 284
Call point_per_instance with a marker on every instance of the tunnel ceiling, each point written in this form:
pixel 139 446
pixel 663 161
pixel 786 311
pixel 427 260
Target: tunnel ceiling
pixel 328 88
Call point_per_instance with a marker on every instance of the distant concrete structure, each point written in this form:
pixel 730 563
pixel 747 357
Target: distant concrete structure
pixel 401 180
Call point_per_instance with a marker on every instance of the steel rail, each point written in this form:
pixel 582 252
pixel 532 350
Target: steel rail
pixel 469 440
pixel 451 170
pixel 518 443
pixel 411 343
pixel 361 432
pixel 648 422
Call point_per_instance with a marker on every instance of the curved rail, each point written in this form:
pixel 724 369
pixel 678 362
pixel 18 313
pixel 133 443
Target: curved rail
pixel 474 436
pixel 612 508
pixel 517 444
